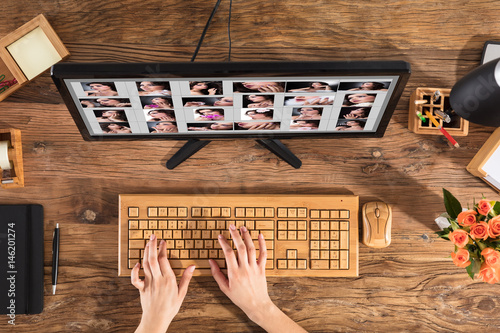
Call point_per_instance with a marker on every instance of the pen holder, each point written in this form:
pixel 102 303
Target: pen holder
pixel 11 158
pixel 421 100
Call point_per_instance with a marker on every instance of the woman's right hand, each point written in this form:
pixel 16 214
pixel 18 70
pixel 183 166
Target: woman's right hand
pixel 246 284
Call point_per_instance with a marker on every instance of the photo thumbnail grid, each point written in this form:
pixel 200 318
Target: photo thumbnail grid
pixel 183 106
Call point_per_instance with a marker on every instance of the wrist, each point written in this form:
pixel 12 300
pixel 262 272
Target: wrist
pixel 151 326
pixel 263 312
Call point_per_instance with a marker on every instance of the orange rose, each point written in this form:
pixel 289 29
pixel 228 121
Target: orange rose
pixel 461 258
pixel 459 237
pixel 488 274
pixel 494 227
pixel 491 257
pixel 479 230
pixel 467 218
pixel 483 207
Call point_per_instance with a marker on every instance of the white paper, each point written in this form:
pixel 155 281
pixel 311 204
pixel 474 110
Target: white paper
pixel 492 168
pixel 4 155
pixel 492 52
pixel 34 53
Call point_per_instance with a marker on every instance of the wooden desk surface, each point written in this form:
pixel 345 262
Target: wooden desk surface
pixel 411 286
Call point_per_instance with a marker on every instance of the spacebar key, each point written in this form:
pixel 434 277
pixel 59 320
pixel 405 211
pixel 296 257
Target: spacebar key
pixel 184 263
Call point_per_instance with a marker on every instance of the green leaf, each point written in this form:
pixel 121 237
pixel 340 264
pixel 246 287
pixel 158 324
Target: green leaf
pixel 496 208
pixel 453 207
pixel 473 268
pixel 444 233
pixel 454 225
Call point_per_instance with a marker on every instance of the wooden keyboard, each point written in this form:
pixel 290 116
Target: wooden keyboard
pixel 306 235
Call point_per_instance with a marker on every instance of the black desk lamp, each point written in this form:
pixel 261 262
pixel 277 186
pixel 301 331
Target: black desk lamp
pixel 476 97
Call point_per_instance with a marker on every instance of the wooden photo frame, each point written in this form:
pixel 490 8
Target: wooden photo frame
pixel 28 52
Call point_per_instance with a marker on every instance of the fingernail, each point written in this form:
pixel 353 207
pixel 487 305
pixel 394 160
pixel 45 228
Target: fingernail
pixel 244 229
pixel 220 236
pixel 162 242
pixel 152 237
pixel 232 227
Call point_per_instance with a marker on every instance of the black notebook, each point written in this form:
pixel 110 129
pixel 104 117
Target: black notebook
pixel 21 259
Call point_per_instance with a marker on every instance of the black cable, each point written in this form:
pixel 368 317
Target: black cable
pixel 229 30
pixel 205 30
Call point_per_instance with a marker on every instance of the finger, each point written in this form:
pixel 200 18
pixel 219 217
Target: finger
pixel 228 253
pixel 145 261
pixel 153 257
pixel 184 282
pixel 240 245
pixel 135 279
pixel 252 256
pixel 262 252
pixel 219 277
pixel 166 270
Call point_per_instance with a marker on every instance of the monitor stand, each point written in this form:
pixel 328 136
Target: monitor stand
pixel 193 145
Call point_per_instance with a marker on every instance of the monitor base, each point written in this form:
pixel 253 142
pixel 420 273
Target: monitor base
pixel 186 151
pixel 273 145
pixel 280 150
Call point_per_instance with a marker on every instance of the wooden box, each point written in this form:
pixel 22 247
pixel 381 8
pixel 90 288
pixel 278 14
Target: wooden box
pixel 424 98
pixel 28 52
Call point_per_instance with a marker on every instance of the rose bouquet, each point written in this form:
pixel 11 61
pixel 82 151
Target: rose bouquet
pixel 476 235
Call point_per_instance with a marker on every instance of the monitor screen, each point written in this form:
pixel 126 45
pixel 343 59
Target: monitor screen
pixel 218 100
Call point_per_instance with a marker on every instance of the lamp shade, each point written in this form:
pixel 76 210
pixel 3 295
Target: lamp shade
pixel 476 96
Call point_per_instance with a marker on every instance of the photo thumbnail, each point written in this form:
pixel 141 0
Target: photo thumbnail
pixel 313 87
pixel 203 127
pixel 110 116
pixel 146 88
pixel 258 86
pixel 308 100
pixel 205 87
pixel 350 125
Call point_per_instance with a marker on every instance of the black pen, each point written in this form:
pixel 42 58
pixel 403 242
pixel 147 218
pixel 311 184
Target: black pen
pixel 55 258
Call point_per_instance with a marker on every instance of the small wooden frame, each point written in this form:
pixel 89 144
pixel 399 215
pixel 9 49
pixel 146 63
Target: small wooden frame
pixel 15 176
pixel 486 163
pixel 28 52
pixel 421 100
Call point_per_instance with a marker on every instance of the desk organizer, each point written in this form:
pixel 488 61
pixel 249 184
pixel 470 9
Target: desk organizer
pixel 424 98
pixel 28 52
pixel 11 158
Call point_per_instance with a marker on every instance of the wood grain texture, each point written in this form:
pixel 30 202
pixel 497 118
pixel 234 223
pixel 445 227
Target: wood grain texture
pixel 411 286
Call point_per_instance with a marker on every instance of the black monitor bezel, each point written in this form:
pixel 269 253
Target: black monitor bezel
pixel 85 71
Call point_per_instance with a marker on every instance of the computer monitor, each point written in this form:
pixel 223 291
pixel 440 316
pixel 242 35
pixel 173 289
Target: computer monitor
pixel 216 100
